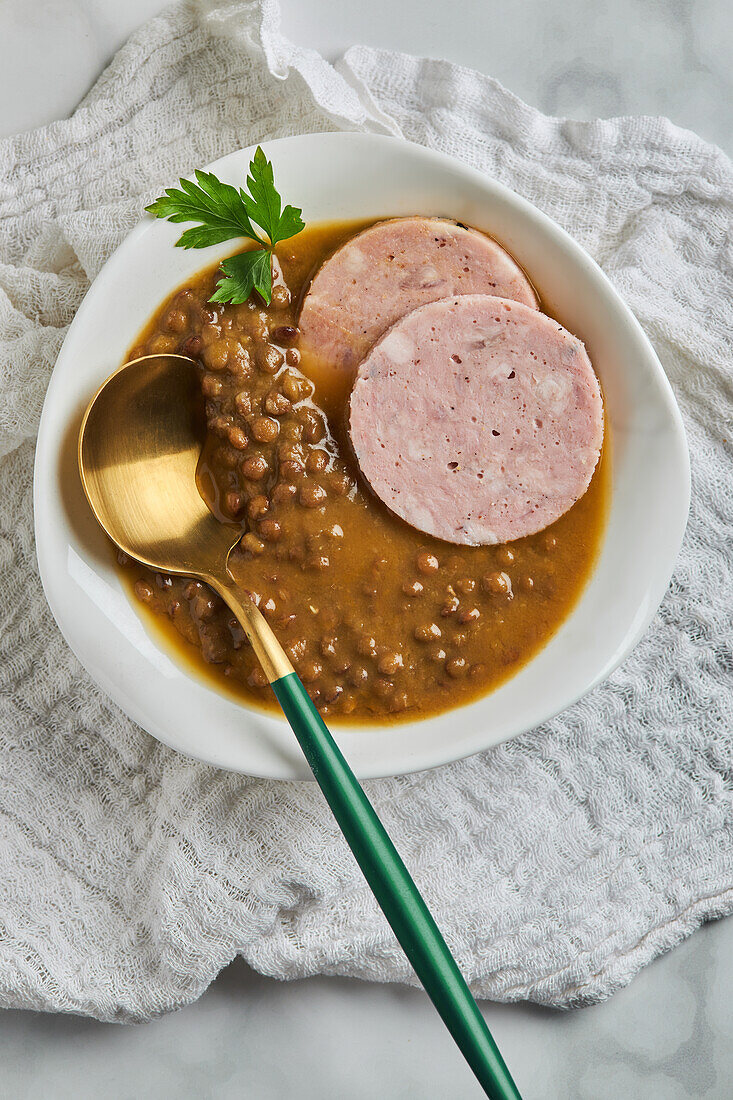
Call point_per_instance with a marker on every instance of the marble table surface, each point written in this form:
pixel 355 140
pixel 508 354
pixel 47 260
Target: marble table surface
pixel 669 1035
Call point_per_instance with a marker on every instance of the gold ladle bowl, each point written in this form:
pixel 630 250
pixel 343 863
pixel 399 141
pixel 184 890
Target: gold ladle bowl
pixel 139 447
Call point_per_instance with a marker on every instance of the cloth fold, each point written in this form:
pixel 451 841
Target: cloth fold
pixel 558 863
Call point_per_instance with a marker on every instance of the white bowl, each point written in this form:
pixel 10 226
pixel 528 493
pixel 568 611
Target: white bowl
pixel 359 176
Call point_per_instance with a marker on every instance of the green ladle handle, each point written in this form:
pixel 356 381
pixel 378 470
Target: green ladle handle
pixel 395 891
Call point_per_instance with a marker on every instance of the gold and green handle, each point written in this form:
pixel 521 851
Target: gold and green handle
pixel 389 879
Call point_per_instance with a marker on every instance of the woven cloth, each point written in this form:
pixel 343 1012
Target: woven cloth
pixel 558 863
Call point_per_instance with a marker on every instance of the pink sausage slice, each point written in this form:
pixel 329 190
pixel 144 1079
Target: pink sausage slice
pixel 477 419
pixel 392 268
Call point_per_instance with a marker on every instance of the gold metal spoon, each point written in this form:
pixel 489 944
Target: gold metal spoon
pixel 139 446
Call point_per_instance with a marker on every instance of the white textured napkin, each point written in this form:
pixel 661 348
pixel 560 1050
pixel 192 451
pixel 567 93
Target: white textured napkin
pixel 558 863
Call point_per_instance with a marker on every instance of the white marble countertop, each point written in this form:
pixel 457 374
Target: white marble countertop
pixel 669 1035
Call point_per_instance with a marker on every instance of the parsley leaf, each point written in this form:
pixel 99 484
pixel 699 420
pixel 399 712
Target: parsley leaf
pixel 244 273
pixel 264 205
pixel 224 213
pixel 218 206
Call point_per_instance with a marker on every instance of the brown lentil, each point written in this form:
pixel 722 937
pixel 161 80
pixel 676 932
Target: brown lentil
pixel 272 359
pixel 429 632
pixel 277 404
pixel 390 663
pixel 340 483
pixel 427 563
pixel 161 345
pixel 237 438
pixel 265 429
pixel 497 584
pixel 311 494
pixel 269 529
pixel 284 334
pixel 291 469
pixel 257 506
pixel 144 591
pixel 216 355
pixel 251 543
pixel 211 386
pixel 366 646
pixel 254 467
pixel 398 702
pixel 309 671
pixel 175 321
pixel 233 502
pixel 283 491
pixel 316 462
pixel 257 678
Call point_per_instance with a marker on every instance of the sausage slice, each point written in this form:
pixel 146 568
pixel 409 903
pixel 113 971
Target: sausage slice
pixel 477 419
pixel 392 268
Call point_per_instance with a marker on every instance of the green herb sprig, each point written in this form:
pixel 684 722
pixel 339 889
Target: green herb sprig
pixel 225 212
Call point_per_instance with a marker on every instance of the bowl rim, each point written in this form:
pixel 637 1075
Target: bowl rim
pixel 397 759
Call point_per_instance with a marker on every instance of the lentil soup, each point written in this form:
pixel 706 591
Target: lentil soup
pixel 380 621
